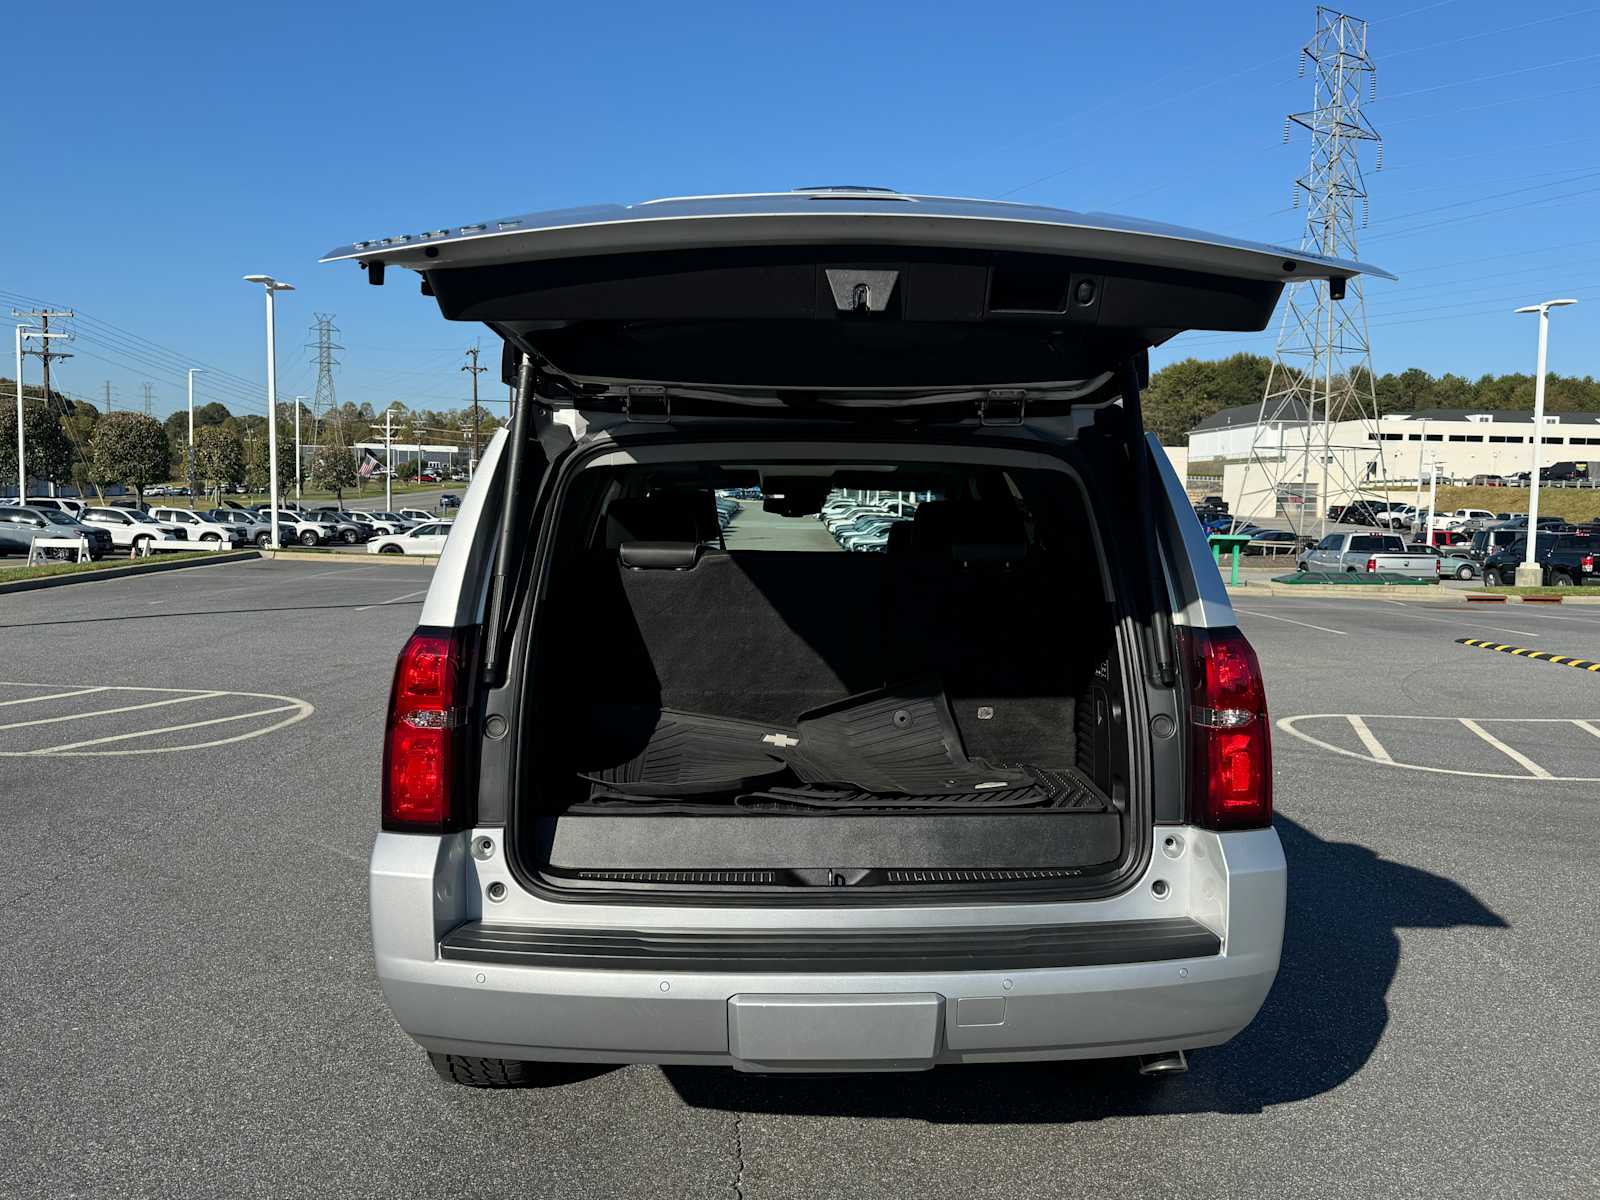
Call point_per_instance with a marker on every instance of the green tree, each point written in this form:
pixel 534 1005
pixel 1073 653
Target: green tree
pixel 49 449
pixel 334 468
pixel 131 449
pixel 256 468
pixel 219 457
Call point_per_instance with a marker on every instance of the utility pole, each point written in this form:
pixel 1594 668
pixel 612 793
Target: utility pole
pixel 44 354
pixel 147 403
pixel 1324 350
pixel 23 331
pixel 476 370
pixel 108 395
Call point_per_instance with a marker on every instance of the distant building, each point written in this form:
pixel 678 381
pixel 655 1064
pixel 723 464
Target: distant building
pixel 1460 442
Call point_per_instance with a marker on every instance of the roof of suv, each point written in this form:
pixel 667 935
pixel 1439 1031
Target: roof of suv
pixel 844 215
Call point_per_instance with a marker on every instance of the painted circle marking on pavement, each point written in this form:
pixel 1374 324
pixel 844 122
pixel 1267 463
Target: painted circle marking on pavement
pixel 288 709
pixel 1290 725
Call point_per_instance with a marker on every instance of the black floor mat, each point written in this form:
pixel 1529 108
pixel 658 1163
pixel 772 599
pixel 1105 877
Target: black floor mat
pixel 664 753
pixel 902 738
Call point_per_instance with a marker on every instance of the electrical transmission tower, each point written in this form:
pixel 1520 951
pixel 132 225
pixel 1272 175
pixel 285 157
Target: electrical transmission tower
pixel 147 404
pixel 323 403
pixel 1321 373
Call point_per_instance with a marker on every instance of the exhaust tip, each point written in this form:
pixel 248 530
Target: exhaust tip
pixel 1174 1062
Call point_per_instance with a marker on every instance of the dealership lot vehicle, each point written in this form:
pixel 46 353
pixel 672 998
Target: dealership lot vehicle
pixel 131 528
pixel 247 523
pixel 756 835
pixel 306 528
pixel 378 522
pixel 418 516
pixel 1275 542
pixel 1566 560
pixel 19 526
pixel 347 528
pixel 200 526
pixel 420 539
pixel 1369 553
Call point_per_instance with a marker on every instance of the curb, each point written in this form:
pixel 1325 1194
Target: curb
pixel 152 568
pixel 326 556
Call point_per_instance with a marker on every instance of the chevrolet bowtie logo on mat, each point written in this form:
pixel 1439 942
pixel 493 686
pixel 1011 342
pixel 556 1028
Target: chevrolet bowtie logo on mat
pixel 1561 660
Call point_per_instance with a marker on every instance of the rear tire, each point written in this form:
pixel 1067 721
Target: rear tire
pixel 1560 579
pixel 469 1071
pixel 1491 578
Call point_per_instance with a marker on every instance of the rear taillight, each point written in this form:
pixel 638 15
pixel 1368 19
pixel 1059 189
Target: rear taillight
pixel 1588 562
pixel 1230 769
pixel 424 748
pixel 1372 564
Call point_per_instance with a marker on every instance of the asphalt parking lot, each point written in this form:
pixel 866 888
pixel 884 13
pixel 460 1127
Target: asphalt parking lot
pixel 189 1007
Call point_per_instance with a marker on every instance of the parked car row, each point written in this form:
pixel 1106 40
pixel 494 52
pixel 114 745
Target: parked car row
pixel 863 525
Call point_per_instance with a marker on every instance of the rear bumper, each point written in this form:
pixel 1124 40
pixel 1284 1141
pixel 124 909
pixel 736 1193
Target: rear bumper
pixel 680 985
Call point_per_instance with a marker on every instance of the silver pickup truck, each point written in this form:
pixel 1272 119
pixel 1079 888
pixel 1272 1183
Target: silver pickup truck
pixel 1360 553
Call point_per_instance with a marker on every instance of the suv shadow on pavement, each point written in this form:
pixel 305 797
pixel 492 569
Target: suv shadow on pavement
pixel 1317 1029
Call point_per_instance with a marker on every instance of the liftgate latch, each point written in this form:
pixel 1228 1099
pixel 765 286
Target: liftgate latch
pixel 1003 406
pixel 647 404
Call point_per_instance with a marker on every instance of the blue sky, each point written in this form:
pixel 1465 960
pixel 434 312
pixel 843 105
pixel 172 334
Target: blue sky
pixel 156 153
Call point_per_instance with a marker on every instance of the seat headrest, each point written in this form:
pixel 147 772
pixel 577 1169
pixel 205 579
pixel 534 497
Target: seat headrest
pixel 987 532
pixel 659 556
pixel 901 538
pixel 688 516
pixel 930 528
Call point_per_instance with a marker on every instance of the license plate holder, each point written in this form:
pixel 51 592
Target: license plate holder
pixel 881 1031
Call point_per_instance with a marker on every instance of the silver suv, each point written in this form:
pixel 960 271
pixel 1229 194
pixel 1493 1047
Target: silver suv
pixel 655 790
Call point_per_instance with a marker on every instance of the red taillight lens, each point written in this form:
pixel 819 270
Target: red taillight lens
pixel 1230 784
pixel 423 747
pixel 1588 562
pixel 1372 564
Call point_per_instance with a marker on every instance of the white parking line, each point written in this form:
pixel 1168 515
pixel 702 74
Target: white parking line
pixel 1537 774
pixel 395 600
pixel 106 712
pixel 52 696
pixel 122 737
pixel 1515 756
pixel 1410 612
pixel 287 710
pixel 1373 745
pixel 1287 621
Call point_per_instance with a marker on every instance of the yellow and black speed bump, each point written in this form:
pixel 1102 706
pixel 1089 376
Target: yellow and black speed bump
pixel 1561 660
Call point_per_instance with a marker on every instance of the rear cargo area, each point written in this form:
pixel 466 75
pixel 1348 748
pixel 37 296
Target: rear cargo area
pixel 760 676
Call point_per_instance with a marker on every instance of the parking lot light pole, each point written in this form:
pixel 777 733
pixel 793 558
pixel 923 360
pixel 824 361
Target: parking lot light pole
pixel 272 287
pixel 1432 500
pixel 1529 573
pixel 297 401
pixel 194 482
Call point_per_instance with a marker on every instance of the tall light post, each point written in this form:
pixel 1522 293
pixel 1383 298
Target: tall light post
pixel 1530 573
pixel 24 331
pixel 297 403
pixel 272 287
pixel 194 482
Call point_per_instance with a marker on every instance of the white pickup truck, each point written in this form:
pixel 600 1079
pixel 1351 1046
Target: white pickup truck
pixel 1367 553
